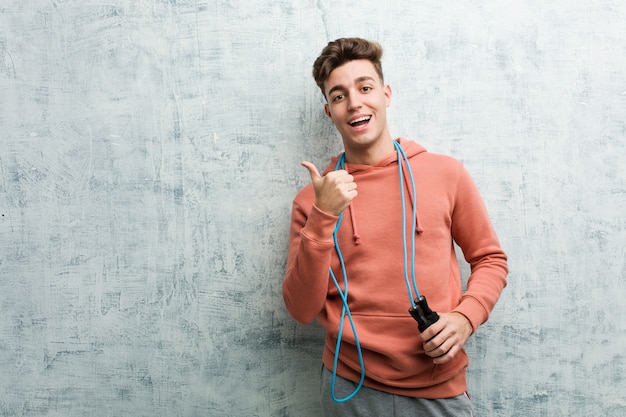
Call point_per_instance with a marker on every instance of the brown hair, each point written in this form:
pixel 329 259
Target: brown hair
pixel 344 50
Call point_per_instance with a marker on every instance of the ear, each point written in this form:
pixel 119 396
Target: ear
pixel 327 111
pixel 387 91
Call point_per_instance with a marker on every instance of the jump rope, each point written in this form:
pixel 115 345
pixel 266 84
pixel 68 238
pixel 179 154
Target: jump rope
pixel 419 308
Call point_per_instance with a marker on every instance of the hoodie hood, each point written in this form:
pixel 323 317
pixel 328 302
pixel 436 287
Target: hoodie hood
pixel 411 149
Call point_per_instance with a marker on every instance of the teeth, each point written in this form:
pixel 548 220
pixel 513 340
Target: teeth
pixel 360 119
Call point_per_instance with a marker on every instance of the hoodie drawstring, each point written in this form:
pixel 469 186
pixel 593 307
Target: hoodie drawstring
pixel 355 233
pixel 407 181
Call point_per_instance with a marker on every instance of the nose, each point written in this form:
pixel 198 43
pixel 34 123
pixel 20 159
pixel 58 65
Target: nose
pixel 354 101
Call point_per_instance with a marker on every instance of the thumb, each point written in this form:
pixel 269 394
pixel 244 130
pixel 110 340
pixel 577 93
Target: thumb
pixel 315 174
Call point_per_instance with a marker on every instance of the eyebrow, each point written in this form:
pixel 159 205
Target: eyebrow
pixel 356 81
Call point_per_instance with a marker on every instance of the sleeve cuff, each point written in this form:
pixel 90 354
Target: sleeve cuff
pixel 320 225
pixel 473 310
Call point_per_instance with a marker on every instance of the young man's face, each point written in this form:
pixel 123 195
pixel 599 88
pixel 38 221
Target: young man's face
pixel 357 104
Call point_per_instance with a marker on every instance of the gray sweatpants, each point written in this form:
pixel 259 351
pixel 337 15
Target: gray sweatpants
pixel 370 402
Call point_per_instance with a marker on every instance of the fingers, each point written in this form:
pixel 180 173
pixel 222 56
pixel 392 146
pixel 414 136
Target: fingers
pixel 334 191
pixel 315 174
pixel 447 337
pixel 341 175
pixel 435 340
pixel 444 352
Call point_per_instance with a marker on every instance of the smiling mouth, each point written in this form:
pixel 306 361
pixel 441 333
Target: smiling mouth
pixel 361 121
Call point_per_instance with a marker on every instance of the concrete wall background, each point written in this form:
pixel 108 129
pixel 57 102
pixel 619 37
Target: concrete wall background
pixel 149 153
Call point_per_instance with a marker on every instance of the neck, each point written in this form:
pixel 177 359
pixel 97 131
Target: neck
pixel 371 154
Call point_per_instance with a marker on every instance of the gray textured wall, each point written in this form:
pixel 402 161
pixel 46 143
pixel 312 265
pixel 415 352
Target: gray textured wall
pixel 149 154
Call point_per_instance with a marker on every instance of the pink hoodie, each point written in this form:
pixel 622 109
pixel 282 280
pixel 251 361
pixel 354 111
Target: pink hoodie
pixel 449 208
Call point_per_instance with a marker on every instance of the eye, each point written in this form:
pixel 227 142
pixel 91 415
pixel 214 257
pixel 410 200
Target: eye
pixel 338 97
pixel 366 88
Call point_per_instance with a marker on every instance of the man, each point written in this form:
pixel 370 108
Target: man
pixel 371 238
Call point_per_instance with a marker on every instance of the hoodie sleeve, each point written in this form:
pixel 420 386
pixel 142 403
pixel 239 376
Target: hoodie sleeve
pixel 310 250
pixel 473 232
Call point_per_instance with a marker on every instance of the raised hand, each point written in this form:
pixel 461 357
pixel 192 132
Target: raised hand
pixel 333 191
